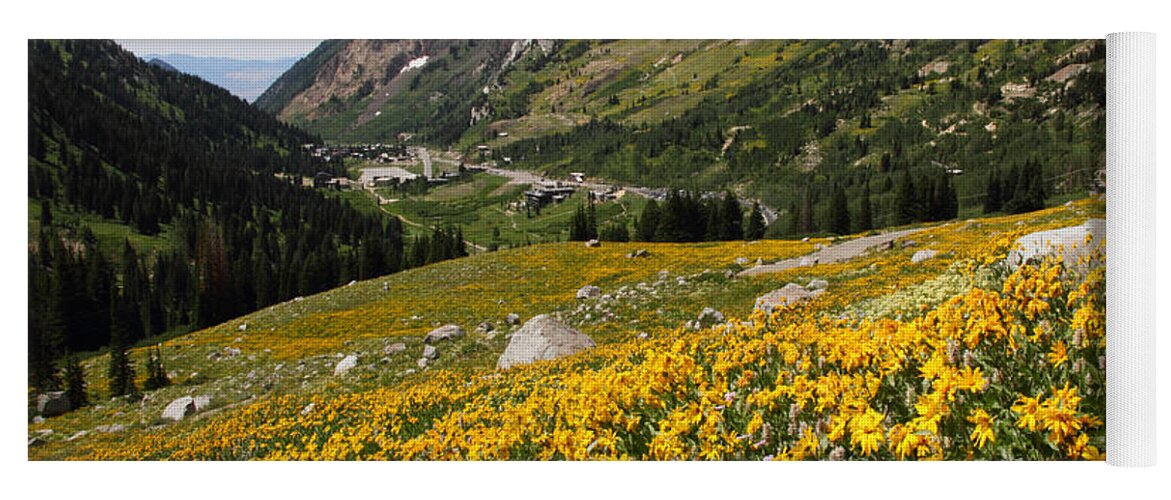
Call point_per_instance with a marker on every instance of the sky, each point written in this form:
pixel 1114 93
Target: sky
pixel 244 67
pixel 248 49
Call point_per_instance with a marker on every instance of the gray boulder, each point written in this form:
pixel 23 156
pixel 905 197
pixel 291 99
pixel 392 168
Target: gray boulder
pixel 51 404
pixel 741 261
pixel 543 338
pixel 180 408
pixel 593 244
pixel 790 294
pixel 588 292
pixel 430 352
pixel 638 254
pixel 512 319
pixel 444 332
pixel 345 365
pixel 709 317
pixel 110 428
pixel 817 284
pixel 485 327
pixel 923 255
pixel 394 348
pixel 201 402
pixel 1069 244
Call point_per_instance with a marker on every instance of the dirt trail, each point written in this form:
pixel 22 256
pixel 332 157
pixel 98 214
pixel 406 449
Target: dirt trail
pixel 832 254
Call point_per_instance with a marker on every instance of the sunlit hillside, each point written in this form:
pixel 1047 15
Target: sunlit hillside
pixel 956 356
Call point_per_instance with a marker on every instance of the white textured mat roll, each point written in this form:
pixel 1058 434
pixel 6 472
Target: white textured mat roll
pixel 1130 253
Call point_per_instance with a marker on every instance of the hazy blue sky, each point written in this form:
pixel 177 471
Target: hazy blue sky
pixel 230 49
pixel 245 67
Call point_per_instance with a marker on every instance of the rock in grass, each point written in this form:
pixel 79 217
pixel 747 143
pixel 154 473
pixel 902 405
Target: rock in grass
pixel 445 332
pixel 709 317
pixel 588 292
pixel 593 244
pixel 923 255
pixel 394 348
pixel 512 319
pixel 180 408
pixel 1070 244
pixel 345 365
pixel 430 352
pixel 817 284
pixel 51 404
pixel 784 297
pixel 543 338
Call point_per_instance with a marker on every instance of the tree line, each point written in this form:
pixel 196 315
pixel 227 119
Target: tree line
pixel 683 216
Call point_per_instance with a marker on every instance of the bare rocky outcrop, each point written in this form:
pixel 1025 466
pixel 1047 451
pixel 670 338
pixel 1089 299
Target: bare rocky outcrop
pixel 832 254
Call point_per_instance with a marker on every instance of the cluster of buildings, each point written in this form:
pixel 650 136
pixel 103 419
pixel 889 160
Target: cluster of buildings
pixel 382 153
pixel 544 193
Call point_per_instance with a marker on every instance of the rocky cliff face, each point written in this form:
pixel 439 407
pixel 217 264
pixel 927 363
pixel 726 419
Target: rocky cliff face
pixel 347 84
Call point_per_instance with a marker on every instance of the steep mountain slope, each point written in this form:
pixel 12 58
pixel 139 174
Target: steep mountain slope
pixel 786 121
pixel 372 90
pixel 159 202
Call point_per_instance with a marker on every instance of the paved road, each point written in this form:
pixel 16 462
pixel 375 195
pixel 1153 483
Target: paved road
pixel 836 253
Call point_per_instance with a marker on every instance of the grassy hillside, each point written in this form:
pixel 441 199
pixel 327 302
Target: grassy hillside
pixel 480 204
pixel 954 357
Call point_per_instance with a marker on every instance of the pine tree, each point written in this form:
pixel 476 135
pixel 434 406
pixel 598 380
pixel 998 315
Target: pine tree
pixel 45 333
pixel 992 200
pixel 732 226
pixel 950 202
pixel 458 248
pixel 865 219
pixel 1036 194
pixel 46 214
pixel 804 213
pixel 906 201
pixel 75 386
pixel 839 212
pixel 156 373
pixel 755 227
pixel 591 223
pixel 614 231
pixel 578 227
pixel 120 372
pixel 648 222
